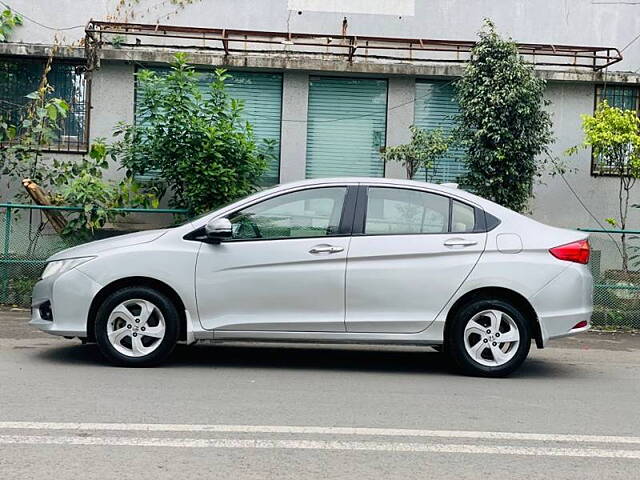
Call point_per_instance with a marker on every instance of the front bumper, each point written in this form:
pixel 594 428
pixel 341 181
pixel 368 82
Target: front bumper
pixel 70 295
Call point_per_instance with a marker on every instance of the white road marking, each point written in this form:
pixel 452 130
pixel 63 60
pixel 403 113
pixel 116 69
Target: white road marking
pixel 311 430
pixel 317 445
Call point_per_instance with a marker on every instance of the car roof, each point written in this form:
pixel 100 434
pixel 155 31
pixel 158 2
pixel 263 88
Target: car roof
pixel 391 182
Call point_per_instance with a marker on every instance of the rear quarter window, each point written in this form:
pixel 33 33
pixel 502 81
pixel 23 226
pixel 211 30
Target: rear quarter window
pixel 463 218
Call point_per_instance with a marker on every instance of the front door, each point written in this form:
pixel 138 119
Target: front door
pixel 284 267
pixel 413 252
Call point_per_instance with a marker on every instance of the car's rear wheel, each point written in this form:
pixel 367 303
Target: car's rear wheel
pixel 489 338
pixel 137 327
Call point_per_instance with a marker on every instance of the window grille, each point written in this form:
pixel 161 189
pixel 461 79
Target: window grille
pixel 21 76
pixel 627 98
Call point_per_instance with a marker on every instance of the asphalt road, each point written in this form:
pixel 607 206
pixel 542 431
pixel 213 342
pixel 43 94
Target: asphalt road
pixel 238 411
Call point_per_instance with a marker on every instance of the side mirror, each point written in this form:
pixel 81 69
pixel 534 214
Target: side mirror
pixel 218 229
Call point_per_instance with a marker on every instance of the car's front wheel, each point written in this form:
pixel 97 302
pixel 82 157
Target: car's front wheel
pixel 137 327
pixel 489 338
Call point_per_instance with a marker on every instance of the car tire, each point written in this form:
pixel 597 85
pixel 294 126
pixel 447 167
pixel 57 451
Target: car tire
pixel 474 338
pixel 137 326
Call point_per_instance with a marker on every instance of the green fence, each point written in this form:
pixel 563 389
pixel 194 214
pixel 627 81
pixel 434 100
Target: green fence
pixel 616 291
pixel 28 240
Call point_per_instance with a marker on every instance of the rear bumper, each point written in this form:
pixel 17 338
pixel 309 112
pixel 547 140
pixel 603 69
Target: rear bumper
pixel 563 325
pixel 565 302
pixel 69 295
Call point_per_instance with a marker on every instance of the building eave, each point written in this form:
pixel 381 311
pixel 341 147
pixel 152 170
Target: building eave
pixel 296 62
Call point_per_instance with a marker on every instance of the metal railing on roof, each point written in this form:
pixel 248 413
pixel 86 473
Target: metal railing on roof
pixel 349 47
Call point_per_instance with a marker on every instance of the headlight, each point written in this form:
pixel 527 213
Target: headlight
pixel 57 267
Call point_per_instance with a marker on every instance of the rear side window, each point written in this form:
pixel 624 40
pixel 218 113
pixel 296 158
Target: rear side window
pixel 404 211
pixel 463 218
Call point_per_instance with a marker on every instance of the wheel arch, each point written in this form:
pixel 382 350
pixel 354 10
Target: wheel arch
pixel 137 281
pixel 498 293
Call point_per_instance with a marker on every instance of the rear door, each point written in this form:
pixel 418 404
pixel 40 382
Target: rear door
pixel 410 251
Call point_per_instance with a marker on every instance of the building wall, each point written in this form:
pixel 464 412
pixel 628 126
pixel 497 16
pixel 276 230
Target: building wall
pixel 112 101
pixel 580 22
pixel 553 202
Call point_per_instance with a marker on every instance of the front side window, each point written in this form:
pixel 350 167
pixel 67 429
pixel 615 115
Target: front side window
pixel 401 211
pixel 626 98
pixel 21 76
pixel 302 214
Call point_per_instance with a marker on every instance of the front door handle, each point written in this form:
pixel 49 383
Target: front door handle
pixel 459 242
pixel 328 249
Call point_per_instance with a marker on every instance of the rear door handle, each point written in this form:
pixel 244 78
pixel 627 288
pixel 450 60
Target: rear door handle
pixel 328 249
pixel 459 242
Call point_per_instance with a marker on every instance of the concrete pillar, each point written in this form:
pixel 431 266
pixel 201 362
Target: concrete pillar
pixel 293 148
pixel 112 101
pixel 112 97
pixel 400 108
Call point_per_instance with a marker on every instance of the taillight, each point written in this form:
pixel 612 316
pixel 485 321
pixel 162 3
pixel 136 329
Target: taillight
pixel 573 252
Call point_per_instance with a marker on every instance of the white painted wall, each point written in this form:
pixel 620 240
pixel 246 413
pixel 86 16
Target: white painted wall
pixel 293 146
pixel 400 114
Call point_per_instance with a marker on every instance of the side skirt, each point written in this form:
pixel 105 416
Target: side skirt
pixel 430 336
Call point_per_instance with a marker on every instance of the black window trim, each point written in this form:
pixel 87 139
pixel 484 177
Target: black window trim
pixel 480 223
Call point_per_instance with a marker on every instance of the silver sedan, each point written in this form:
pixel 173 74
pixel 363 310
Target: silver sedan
pixel 376 261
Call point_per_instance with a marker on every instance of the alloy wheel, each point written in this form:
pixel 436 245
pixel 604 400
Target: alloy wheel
pixel 136 327
pixel 491 338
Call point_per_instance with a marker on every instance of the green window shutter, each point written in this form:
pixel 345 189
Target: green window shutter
pixel 436 107
pixel 261 94
pixel 346 127
pixel 627 98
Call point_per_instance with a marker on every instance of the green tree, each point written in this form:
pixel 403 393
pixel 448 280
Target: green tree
pixel 502 123
pixel 195 144
pixel 424 150
pixel 81 183
pixel 37 129
pixel 613 135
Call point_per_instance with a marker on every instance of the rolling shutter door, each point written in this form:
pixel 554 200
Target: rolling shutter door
pixel 346 127
pixel 262 97
pixel 436 107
